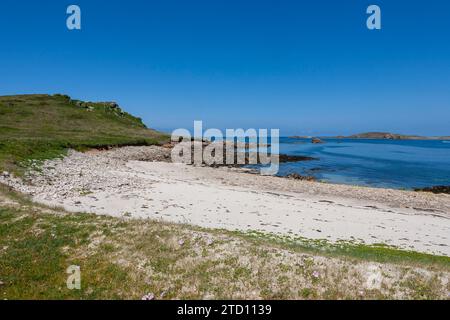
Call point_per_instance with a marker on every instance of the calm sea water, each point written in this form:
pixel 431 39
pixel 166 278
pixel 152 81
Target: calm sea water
pixel 379 163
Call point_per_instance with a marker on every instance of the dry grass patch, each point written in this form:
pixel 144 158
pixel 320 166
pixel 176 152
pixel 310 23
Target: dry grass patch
pixel 125 259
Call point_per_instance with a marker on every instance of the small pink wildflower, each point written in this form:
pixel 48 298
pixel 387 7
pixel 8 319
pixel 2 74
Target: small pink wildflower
pixel 148 296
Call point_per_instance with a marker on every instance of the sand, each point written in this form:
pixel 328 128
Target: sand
pixel 124 183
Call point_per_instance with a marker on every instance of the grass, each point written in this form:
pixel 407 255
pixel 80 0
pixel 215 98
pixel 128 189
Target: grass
pixel 127 258
pixel 375 252
pixel 45 126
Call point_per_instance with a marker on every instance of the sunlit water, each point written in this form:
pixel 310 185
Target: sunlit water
pixel 380 163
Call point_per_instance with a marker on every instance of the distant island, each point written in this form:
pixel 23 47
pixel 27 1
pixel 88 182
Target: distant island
pixel 391 136
pixel 379 135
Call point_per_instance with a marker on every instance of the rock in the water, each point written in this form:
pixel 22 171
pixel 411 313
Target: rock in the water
pixel 5 174
pixel 317 140
pixel 294 158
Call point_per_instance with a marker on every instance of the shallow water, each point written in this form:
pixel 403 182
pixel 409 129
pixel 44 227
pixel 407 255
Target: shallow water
pixel 380 163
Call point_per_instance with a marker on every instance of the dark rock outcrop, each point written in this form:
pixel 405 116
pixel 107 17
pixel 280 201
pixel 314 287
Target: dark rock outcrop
pixel 293 158
pixel 241 157
pixel 435 189
pixel 316 140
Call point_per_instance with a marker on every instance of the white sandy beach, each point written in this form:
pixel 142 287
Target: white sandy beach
pixel 119 183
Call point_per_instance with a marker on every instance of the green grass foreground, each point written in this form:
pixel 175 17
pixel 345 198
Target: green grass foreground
pixel 127 258
pixel 45 126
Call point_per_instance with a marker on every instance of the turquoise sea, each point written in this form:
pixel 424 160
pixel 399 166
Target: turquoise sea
pixel 402 164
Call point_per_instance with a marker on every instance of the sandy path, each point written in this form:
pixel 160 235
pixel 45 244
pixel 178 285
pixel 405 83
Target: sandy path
pixel 224 198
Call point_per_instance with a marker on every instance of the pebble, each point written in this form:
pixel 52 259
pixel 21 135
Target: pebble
pixel 61 179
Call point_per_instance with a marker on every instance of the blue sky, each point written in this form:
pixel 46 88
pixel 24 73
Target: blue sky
pixel 306 67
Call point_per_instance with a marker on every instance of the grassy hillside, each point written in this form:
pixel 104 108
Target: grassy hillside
pixel 44 126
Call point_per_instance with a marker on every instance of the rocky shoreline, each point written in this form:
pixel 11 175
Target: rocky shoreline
pixel 243 155
pixel 435 189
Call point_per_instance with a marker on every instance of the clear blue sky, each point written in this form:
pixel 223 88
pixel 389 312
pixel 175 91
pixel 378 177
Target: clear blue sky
pixel 306 67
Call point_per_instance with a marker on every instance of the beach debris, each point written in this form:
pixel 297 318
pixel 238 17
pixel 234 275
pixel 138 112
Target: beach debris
pixel 209 241
pixel 148 296
pixel 181 242
pixel 5 174
pixel 163 294
pixel 297 176
pixel 1 283
pixel 315 274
